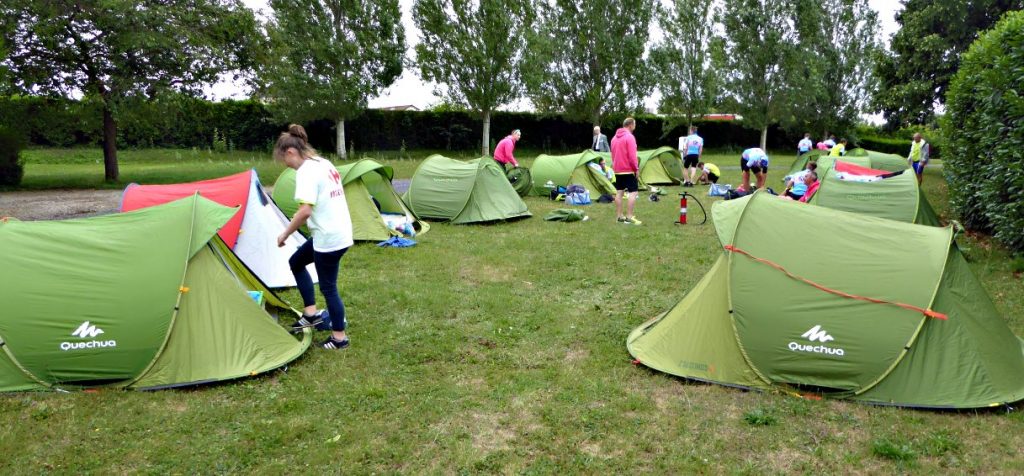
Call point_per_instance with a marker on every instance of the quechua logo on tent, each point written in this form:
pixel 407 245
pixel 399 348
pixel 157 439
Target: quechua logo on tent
pixel 87 331
pixel 816 334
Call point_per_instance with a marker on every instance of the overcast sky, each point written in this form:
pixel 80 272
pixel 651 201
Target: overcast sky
pixel 410 89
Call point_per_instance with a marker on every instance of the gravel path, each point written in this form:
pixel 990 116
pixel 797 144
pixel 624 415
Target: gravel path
pixel 58 204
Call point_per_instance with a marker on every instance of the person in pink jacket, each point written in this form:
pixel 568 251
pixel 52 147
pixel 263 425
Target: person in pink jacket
pixel 503 151
pixel 626 166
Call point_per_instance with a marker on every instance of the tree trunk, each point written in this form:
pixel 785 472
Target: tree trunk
pixel 487 135
pixel 111 173
pixel 764 138
pixel 340 129
pixel 595 118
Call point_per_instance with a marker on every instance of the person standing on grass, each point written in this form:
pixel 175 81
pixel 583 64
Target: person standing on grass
pixel 322 206
pixel 626 166
pixel 600 143
pixel 919 155
pixel 830 142
pixel 754 160
pixel 691 146
pixel 503 151
pixel 805 145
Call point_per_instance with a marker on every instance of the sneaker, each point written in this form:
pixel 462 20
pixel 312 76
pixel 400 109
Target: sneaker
pixel 332 344
pixel 622 220
pixel 634 221
pixel 307 321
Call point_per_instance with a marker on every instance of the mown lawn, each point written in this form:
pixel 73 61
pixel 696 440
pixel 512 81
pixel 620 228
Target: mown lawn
pixel 498 349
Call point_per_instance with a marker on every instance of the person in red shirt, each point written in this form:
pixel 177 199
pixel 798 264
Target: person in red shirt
pixel 626 166
pixel 503 151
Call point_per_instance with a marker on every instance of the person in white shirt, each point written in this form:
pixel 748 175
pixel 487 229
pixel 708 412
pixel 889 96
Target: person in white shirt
pixel 322 206
pixel 805 145
pixel 691 147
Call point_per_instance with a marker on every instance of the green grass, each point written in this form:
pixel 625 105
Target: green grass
pixel 497 349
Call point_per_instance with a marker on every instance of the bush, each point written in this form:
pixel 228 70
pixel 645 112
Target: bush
pixel 985 134
pixel 11 170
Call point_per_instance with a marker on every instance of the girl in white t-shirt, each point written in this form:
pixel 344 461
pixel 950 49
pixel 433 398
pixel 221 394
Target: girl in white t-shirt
pixel 322 205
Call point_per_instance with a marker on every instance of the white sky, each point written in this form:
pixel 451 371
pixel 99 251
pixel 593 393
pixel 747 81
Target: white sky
pixel 410 89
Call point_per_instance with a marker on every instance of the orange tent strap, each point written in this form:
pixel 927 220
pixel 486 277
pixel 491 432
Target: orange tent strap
pixel 910 307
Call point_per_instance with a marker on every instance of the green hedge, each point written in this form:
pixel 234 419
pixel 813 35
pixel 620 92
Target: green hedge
pixel 985 125
pixel 248 125
pixel 11 144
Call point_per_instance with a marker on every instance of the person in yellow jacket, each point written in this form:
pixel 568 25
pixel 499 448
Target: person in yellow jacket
pixel 839 150
pixel 919 155
pixel 709 173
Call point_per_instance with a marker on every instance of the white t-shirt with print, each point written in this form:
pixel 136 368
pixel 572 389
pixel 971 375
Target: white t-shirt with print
pixel 318 183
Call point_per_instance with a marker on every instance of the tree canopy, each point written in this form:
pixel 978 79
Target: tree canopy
pixel 684 61
pixel 116 50
pixel 328 57
pixel 473 50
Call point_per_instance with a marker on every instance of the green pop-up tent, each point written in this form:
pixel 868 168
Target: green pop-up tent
pixel 463 192
pixel 892 195
pixel 661 166
pixel 146 299
pixel 887 313
pixel 861 157
pixel 364 181
pixel 563 170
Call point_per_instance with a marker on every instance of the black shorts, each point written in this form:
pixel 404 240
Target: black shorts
pixel 790 194
pixel 756 169
pixel 691 160
pixel 627 182
pixel 712 178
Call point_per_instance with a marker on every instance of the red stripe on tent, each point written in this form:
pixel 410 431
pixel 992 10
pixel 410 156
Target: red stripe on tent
pixel 850 168
pixel 910 307
pixel 231 191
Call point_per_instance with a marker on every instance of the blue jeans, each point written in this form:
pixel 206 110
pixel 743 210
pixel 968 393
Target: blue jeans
pixel 327 265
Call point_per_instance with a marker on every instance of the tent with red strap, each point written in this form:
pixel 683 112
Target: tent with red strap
pixel 251 233
pixel 886 312
pixel 856 188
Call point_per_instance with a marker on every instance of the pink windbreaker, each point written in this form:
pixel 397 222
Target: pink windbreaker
pixel 623 147
pixel 503 151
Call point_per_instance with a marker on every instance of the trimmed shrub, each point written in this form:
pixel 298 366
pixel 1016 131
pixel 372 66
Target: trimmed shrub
pixel 985 134
pixel 11 170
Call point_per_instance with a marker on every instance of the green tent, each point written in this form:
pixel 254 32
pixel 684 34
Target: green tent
pixel 563 170
pixel 870 159
pixel 146 299
pixel 364 181
pixel 896 195
pixel 665 169
pixel 463 192
pixel 887 313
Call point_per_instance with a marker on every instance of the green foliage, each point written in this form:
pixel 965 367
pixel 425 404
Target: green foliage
pixel 11 169
pixel 940 442
pixel 684 62
pixel 328 57
pixel 760 417
pixel 586 58
pixel 759 43
pixel 473 51
pixel 896 449
pixel 115 51
pixel 830 71
pixel 925 54
pixel 984 126
pixel 220 141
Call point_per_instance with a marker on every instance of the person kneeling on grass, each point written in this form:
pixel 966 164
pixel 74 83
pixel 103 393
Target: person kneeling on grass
pixel 321 200
pixel 709 173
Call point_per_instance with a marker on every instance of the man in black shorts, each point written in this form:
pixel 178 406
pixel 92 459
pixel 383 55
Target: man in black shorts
pixel 753 160
pixel 626 166
pixel 691 146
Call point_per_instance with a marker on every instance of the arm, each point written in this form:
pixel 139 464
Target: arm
pixel 301 215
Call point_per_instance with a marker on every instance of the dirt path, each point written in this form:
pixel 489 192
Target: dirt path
pixel 58 204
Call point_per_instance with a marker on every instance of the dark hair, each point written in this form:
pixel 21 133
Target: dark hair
pixel 295 138
pixel 812 165
pixel 843 140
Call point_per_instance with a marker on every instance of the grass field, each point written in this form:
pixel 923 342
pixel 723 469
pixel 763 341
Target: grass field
pixel 497 349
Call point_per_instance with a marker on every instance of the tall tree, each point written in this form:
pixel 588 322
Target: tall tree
pixel 587 58
pixel 758 45
pixel 474 51
pixel 684 59
pixel 832 72
pixel 328 57
pixel 925 54
pixel 116 50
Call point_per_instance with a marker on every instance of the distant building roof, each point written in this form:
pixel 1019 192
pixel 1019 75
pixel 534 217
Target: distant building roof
pixel 406 107
pixel 722 117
